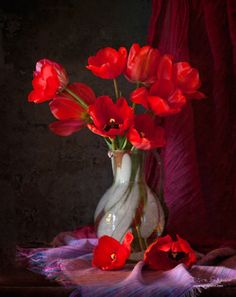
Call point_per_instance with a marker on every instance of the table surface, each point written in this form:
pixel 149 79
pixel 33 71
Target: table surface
pixel 23 283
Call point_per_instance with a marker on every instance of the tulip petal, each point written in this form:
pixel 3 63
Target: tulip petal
pixel 140 96
pixel 66 127
pixel 162 88
pixel 141 64
pixel 64 108
pixel 164 69
pixel 146 134
pixel 128 240
pixel 186 77
pixel 196 95
pixel 177 100
pixel 160 106
pixel 83 91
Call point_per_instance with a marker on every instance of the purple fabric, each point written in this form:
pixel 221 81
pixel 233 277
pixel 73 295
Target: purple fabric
pixel 70 264
pixel 199 158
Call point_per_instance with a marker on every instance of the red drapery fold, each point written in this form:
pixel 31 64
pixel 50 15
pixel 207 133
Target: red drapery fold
pixel 199 158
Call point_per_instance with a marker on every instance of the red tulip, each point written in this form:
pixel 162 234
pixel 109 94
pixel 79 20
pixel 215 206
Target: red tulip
pixel 163 98
pixel 110 119
pixel 109 254
pixel 166 253
pixel 50 79
pixel 175 83
pixel 73 117
pixel 108 63
pixel 187 79
pixel 142 64
pixel 146 134
pixel 66 107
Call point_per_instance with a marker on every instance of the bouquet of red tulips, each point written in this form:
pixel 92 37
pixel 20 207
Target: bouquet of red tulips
pixel 162 87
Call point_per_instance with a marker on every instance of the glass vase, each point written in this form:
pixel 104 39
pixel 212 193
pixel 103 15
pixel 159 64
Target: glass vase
pixel 129 204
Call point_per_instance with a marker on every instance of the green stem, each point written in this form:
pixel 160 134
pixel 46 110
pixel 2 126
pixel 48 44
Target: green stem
pixel 124 144
pixel 113 146
pixel 81 102
pixel 133 148
pixel 116 88
pixel 108 143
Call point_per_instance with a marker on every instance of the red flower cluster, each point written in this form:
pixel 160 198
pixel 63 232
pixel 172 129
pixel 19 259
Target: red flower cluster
pixel 164 254
pixel 174 84
pixel 166 87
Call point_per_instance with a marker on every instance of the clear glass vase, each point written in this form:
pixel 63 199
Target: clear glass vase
pixel 129 204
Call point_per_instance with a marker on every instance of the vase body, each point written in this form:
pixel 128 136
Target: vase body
pixel 129 204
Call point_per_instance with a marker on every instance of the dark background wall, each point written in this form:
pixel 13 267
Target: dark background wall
pixel 48 183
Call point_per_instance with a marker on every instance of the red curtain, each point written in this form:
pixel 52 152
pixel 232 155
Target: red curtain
pixel 199 158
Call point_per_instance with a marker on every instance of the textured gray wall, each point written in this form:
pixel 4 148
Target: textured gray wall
pixel 48 183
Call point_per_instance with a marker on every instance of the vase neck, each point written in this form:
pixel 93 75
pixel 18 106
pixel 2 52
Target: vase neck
pixel 127 166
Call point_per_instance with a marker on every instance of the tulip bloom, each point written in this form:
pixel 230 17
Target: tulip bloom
pixel 142 64
pixel 187 80
pixel 108 63
pixel 110 119
pixel 166 253
pixel 71 115
pixel 161 99
pixel 146 134
pixel 109 254
pixel 49 79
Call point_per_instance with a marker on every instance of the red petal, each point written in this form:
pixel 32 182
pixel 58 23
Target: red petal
pixel 83 91
pixel 196 95
pixel 177 99
pixel 64 108
pixel 186 78
pixel 146 134
pixel 134 50
pixel 164 69
pixel 140 96
pixel 159 106
pixel 135 139
pixel 37 96
pixel 66 127
pixel 162 88
pixel 123 55
pixel 128 240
